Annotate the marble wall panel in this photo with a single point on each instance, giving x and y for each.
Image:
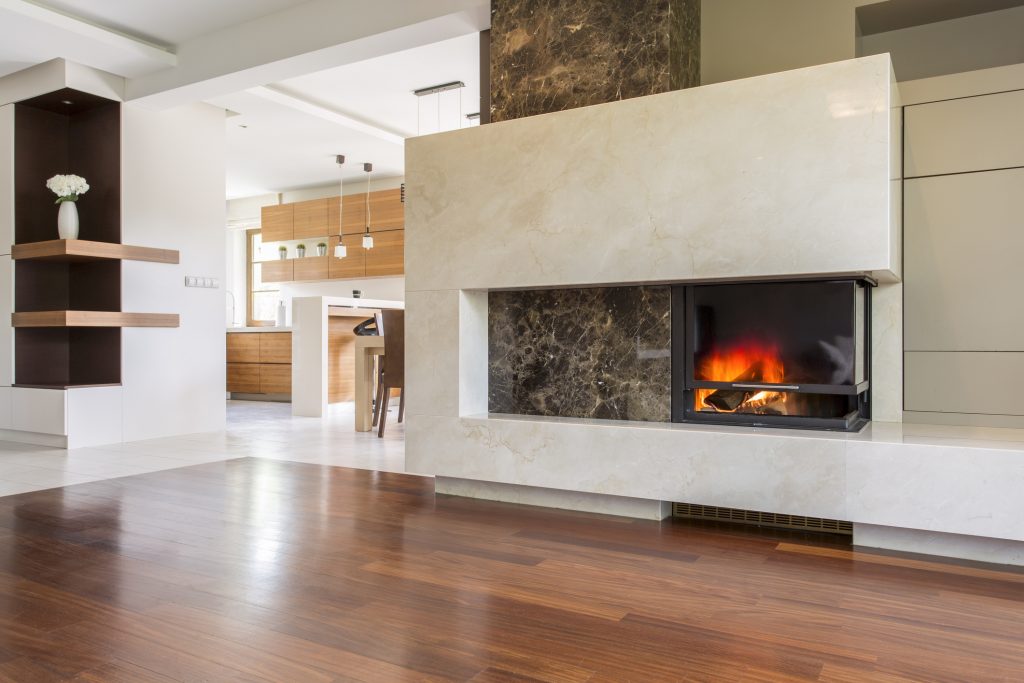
(552, 55)
(602, 352)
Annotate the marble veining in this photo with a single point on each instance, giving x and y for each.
(600, 352)
(552, 55)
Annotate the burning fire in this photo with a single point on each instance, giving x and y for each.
(751, 364)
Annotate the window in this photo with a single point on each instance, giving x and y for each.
(261, 308)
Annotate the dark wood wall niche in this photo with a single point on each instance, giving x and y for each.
(84, 138)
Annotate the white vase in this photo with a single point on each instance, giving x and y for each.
(67, 221)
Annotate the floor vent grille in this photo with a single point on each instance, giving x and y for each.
(773, 519)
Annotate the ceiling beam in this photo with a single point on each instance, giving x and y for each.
(316, 35)
(279, 96)
(102, 36)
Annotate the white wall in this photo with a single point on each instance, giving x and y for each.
(743, 38)
(173, 197)
(945, 47)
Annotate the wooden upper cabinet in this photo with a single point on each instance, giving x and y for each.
(277, 271)
(353, 213)
(311, 219)
(311, 268)
(277, 223)
(387, 212)
(388, 254)
(353, 265)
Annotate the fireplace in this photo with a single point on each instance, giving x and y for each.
(773, 354)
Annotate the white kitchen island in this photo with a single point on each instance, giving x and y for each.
(311, 361)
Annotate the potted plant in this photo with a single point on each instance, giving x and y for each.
(282, 252)
(300, 250)
(321, 249)
(68, 189)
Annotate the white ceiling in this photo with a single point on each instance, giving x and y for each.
(168, 22)
(273, 147)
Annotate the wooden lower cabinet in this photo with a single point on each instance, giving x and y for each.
(243, 348)
(259, 362)
(244, 378)
(275, 379)
(275, 347)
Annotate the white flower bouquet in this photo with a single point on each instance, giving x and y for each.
(68, 188)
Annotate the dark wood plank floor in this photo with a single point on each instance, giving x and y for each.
(256, 570)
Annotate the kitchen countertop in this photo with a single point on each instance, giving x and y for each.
(268, 328)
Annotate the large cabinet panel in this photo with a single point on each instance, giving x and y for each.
(277, 223)
(275, 379)
(388, 254)
(244, 378)
(387, 212)
(243, 348)
(966, 383)
(969, 134)
(353, 211)
(282, 270)
(963, 279)
(310, 219)
(354, 263)
(311, 268)
(275, 347)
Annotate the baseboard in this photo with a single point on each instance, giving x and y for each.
(978, 548)
(620, 506)
(34, 438)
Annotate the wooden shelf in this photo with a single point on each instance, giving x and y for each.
(92, 319)
(65, 386)
(76, 251)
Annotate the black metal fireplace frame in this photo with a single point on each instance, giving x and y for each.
(684, 383)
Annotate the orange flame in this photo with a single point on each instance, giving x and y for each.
(750, 363)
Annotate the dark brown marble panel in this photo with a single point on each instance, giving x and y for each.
(590, 353)
(552, 55)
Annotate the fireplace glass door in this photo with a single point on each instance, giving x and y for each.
(791, 354)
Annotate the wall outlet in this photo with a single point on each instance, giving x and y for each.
(204, 282)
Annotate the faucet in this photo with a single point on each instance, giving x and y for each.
(232, 295)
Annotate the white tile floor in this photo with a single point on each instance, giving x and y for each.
(262, 430)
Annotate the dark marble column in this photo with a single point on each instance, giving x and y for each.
(551, 55)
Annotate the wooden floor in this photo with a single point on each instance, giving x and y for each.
(258, 570)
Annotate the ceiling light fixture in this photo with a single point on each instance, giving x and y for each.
(340, 250)
(367, 237)
(437, 91)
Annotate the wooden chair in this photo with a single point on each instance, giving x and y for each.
(378, 393)
(392, 365)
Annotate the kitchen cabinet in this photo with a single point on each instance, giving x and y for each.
(277, 223)
(310, 219)
(259, 362)
(311, 268)
(354, 263)
(243, 348)
(388, 254)
(278, 271)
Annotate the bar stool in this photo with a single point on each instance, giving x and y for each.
(392, 374)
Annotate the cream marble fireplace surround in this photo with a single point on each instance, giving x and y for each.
(790, 174)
